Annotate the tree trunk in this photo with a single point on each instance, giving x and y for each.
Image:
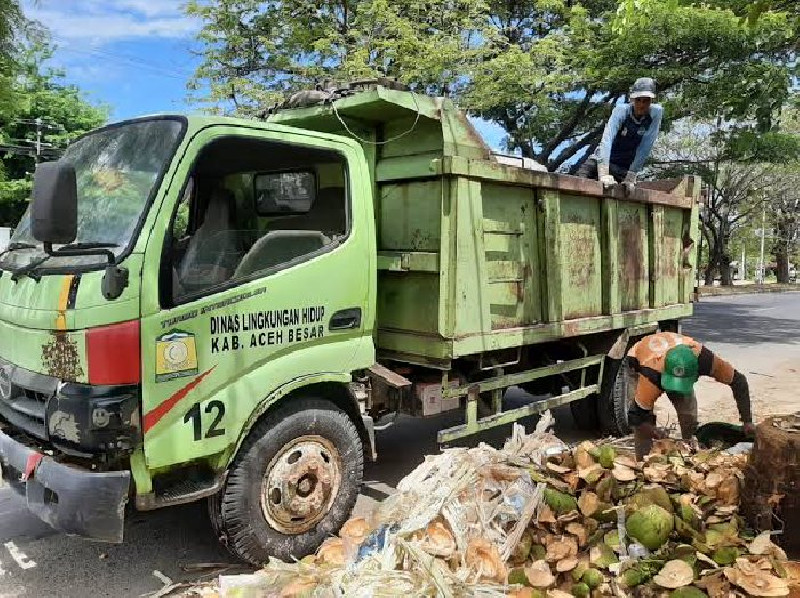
(769, 498)
(782, 259)
(708, 276)
(725, 270)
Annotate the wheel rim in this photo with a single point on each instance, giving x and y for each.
(300, 484)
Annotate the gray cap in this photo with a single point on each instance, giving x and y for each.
(645, 87)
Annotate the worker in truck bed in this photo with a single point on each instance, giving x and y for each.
(672, 363)
(627, 139)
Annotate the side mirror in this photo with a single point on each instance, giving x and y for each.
(54, 212)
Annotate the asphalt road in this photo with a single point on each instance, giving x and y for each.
(755, 331)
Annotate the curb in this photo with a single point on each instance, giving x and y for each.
(748, 290)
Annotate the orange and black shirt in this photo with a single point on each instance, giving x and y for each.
(647, 358)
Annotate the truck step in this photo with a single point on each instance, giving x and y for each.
(182, 492)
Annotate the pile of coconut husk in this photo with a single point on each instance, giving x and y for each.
(539, 519)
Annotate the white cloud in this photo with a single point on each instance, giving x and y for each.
(103, 21)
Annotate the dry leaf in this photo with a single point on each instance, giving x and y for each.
(483, 558)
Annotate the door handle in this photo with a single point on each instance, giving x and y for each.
(345, 319)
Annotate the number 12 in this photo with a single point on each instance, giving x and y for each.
(195, 417)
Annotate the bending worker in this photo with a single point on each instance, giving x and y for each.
(627, 139)
(672, 363)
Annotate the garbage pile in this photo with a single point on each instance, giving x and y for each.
(540, 519)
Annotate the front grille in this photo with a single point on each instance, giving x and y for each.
(23, 399)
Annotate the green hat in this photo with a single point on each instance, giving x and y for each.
(680, 370)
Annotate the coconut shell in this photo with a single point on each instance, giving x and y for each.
(675, 574)
(483, 558)
(559, 469)
(332, 552)
(580, 533)
(546, 515)
(567, 564)
(560, 549)
(759, 584)
(588, 503)
(582, 455)
(539, 575)
(439, 540)
(591, 474)
(355, 530)
(622, 473)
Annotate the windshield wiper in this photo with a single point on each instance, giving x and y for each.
(28, 269)
(14, 246)
(86, 246)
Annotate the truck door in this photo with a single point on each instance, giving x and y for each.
(260, 277)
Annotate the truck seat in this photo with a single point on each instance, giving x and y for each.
(327, 215)
(212, 252)
(279, 247)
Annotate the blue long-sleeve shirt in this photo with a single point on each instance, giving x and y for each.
(613, 126)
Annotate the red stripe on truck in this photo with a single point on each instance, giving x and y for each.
(153, 417)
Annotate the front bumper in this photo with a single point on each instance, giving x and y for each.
(71, 500)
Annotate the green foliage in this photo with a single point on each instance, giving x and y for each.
(39, 92)
(547, 71)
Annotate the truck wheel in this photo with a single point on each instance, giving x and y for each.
(613, 403)
(293, 484)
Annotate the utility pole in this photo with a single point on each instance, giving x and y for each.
(38, 139)
(763, 234)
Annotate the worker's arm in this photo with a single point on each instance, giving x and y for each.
(649, 138)
(724, 372)
(609, 133)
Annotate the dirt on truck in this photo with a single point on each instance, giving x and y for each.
(226, 309)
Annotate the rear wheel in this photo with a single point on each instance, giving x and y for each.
(613, 402)
(293, 484)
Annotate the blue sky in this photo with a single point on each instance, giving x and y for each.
(134, 55)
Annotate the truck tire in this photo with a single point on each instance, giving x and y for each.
(613, 402)
(293, 483)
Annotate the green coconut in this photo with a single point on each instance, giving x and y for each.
(651, 526)
(560, 502)
(538, 552)
(517, 577)
(581, 590)
(612, 539)
(593, 578)
(725, 555)
(605, 455)
(603, 555)
(577, 572)
(658, 496)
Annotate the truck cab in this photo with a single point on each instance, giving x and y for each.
(204, 270)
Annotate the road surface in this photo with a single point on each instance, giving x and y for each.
(760, 334)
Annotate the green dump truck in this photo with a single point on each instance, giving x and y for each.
(224, 309)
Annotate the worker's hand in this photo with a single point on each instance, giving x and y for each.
(630, 177)
(750, 430)
(608, 180)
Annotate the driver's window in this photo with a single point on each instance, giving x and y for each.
(252, 208)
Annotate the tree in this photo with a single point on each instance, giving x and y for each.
(547, 71)
(40, 93)
(735, 190)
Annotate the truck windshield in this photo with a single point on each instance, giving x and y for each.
(117, 169)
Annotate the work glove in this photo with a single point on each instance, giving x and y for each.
(608, 180)
(650, 431)
(630, 181)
